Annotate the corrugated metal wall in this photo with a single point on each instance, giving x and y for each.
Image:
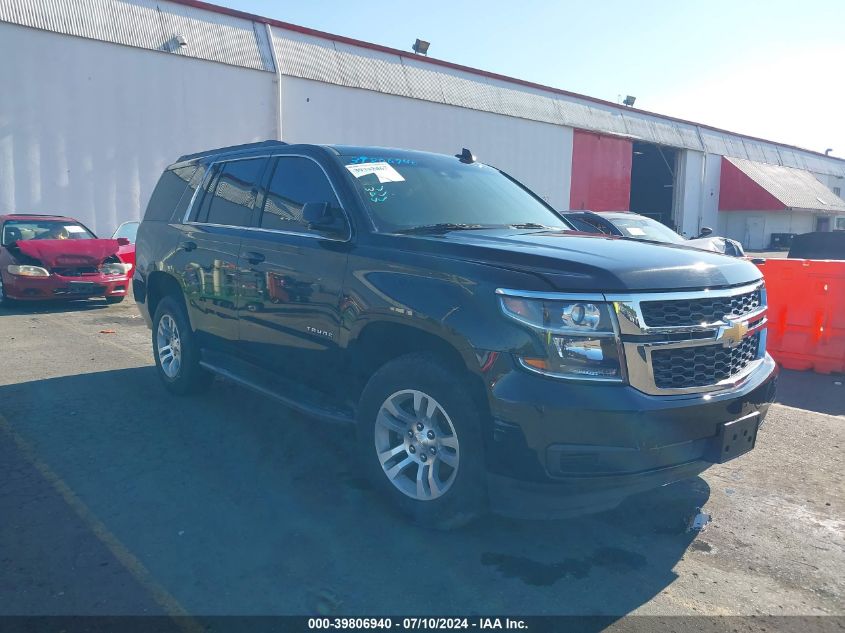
(90, 136)
(149, 24)
(215, 36)
(538, 154)
(319, 59)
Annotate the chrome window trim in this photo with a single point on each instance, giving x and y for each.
(207, 175)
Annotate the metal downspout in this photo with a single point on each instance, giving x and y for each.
(703, 182)
(278, 72)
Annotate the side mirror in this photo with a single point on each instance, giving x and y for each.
(123, 241)
(705, 231)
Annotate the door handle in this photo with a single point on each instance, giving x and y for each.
(254, 258)
(188, 246)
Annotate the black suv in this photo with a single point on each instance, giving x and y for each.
(488, 354)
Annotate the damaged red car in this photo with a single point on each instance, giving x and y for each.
(49, 257)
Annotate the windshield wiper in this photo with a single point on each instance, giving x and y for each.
(442, 227)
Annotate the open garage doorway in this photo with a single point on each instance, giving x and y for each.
(653, 182)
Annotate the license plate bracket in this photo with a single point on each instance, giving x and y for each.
(82, 287)
(738, 437)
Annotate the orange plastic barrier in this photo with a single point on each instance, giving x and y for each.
(806, 313)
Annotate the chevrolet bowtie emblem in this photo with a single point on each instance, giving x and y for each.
(732, 334)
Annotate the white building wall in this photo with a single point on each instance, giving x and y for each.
(86, 127)
(754, 228)
(538, 154)
(833, 183)
(688, 197)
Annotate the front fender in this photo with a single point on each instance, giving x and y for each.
(452, 299)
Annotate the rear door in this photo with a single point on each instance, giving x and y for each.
(292, 273)
(208, 247)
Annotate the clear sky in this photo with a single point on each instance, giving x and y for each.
(773, 69)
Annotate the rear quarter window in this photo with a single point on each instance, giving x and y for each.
(173, 193)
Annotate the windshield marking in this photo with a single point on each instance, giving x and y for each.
(382, 171)
(381, 159)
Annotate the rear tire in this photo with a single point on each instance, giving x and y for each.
(420, 441)
(175, 350)
(113, 300)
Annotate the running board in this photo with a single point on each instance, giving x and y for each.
(268, 384)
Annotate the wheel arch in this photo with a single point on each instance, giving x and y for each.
(380, 342)
(160, 285)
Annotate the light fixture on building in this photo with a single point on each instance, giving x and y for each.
(175, 43)
(828, 151)
(629, 100)
(420, 47)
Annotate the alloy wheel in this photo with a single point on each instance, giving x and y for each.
(416, 444)
(169, 346)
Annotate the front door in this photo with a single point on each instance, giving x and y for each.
(291, 274)
(823, 224)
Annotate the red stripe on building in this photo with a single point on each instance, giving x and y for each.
(738, 192)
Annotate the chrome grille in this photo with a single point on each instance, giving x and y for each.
(698, 311)
(692, 341)
(75, 271)
(704, 365)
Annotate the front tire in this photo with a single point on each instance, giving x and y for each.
(175, 349)
(420, 440)
(5, 301)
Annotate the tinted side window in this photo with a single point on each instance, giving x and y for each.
(195, 181)
(231, 193)
(294, 182)
(168, 193)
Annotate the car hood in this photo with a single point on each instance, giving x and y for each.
(579, 261)
(58, 253)
(715, 244)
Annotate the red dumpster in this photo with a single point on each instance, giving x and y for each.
(806, 313)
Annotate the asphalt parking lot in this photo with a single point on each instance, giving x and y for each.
(117, 498)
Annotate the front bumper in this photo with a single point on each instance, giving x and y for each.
(560, 448)
(57, 287)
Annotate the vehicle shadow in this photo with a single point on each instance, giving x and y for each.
(53, 307)
(812, 392)
(237, 506)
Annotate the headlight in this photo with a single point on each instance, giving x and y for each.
(578, 333)
(115, 268)
(25, 270)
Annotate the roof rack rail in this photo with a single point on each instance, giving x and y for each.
(230, 148)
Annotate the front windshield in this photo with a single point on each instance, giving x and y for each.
(129, 230)
(642, 228)
(23, 230)
(406, 193)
